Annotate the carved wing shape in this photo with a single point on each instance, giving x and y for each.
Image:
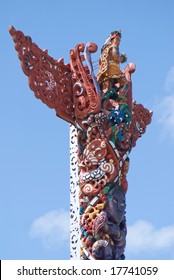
(49, 79)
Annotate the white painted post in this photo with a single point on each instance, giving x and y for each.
(74, 197)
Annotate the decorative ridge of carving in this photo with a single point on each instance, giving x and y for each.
(86, 100)
(49, 79)
(141, 117)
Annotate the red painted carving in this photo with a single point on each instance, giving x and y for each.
(140, 119)
(68, 88)
(108, 125)
(49, 79)
(86, 101)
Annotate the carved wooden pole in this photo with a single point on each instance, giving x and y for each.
(105, 125)
(74, 197)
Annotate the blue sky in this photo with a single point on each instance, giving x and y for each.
(34, 161)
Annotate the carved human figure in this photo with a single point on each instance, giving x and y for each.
(110, 226)
(109, 73)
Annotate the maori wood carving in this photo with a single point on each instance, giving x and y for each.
(108, 125)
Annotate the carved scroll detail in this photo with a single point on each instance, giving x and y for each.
(141, 117)
(86, 100)
(49, 79)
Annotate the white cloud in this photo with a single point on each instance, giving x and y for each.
(144, 237)
(52, 228)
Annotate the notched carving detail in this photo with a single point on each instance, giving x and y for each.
(49, 79)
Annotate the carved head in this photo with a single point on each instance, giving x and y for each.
(94, 152)
(115, 37)
(116, 33)
(116, 204)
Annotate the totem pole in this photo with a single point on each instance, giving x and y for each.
(105, 125)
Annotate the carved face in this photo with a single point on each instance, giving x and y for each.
(117, 205)
(116, 40)
(94, 152)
